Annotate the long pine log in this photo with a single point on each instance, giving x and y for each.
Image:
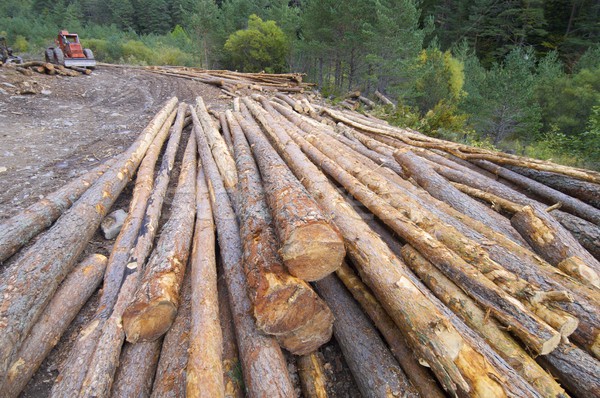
(204, 367)
(137, 366)
(362, 347)
(30, 282)
(22, 227)
(73, 293)
(284, 306)
(263, 364)
(312, 376)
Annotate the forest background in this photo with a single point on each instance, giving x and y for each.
(518, 75)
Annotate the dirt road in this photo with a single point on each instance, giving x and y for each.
(72, 123)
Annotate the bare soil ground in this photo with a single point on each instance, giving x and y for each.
(68, 127)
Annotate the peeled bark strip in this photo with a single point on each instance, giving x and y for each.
(232, 371)
(56, 318)
(420, 377)
(263, 364)
(438, 187)
(455, 357)
(29, 283)
(22, 227)
(204, 367)
(555, 245)
(585, 191)
(153, 310)
(171, 249)
(570, 204)
(362, 347)
(218, 147)
(74, 368)
(312, 376)
(575, 369)
(477, 319)
(137, 366)
(284, 306)
(170, 379)
(312, 247)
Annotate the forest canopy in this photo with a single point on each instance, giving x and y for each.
(522, 76)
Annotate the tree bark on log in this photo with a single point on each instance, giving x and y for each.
(22, 227)
(218, 147)
(170, 249)
(575, 369)
(385, 100)
(137, 366)
(56, 318)
(362, 347)
(30, 282)
(570, 204)
(459, 366)
(312, 376)
(555, 245)
(204, 367)
(493, 333)
(441, 189)
(226, 132)
(284, 306)
(585, 232)
(232, 371)
(153, 309)
(311, 246)
(420, 377)
(173, 364)
(263, 364)
(586, 191)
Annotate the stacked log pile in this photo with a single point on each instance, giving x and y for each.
(48, 68)
(438, 269)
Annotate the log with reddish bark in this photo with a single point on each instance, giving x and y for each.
(456, 357)
(153, 310)
(494, 334)
(74, 368)
(232, 372)
(137, 366)
(56, 318)
(556, 245)
(171, 250)
(419, 375)
(312, 376)
(204, 367)
(569, 204)
(218, 147)
(585, 191)
(30, 282)
(311, 246)
(284, 306)
(22, 227)
(173, 365)
(263, 365)
(362, 347)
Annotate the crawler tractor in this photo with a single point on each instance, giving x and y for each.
(68, 52)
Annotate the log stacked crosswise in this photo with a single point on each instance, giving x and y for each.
(437, 269)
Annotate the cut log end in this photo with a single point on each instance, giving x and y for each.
(313, 251)
(550, 345)
(148, 322)
(283, 305)
(309, 337)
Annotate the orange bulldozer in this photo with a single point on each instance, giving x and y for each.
(69, 52)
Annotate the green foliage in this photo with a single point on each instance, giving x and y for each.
(263, 46)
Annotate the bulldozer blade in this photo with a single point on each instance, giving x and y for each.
(81, 62)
